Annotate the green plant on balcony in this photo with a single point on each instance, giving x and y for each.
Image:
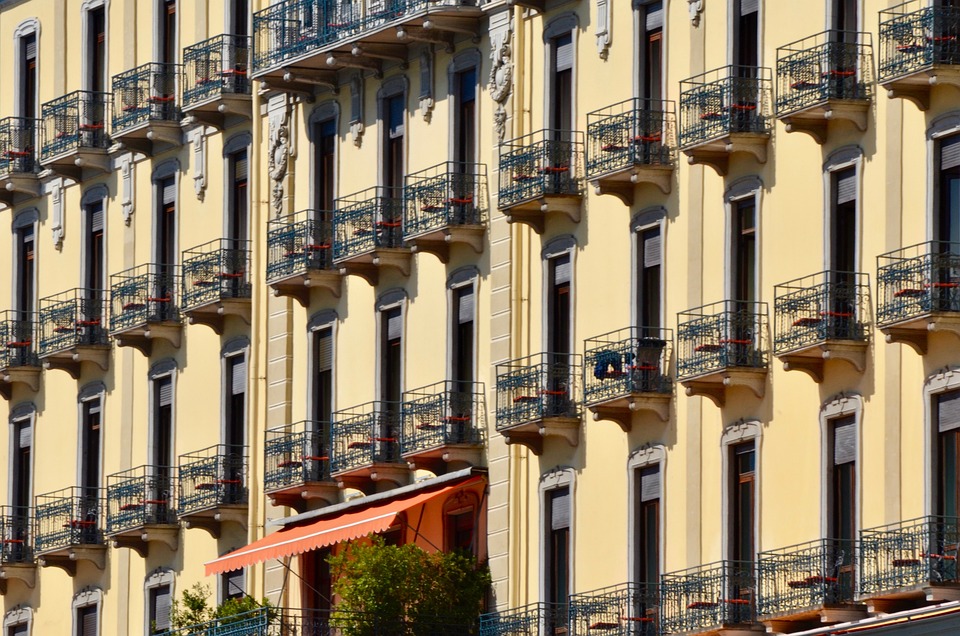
(405, 585)
(194, 609)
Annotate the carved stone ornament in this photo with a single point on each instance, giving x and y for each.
(128, 202)
(501, 78)
(696, 7)
(356, 110)
(55, 188)
(426, 83)
(199, 162)
(603, 28)
(279, 136)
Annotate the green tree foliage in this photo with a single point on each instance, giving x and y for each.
(405, 590)
(194, 609)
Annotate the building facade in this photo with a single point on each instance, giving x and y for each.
(650, 305)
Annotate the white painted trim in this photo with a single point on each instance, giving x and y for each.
(943, 380)
(24, 411)
(655, 455)
(547, 255)
(19, 615)
(740, 190)
(153, 376)
(313, 330)
(733, 434)
(85, 598)
(556, 478)
(839, 406)
(453, 317)
(841, 159)
(637, 227)
(30, 26)
(157, 578)
(85, 60)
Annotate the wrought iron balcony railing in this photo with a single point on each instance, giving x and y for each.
(824, 306)
(918, 280)
(536, 387)
(625, 362)
(299, 242)
(725, 334)
(724, 101)
(833, 65)
(18, 339)
(367, 221)
(141, 496)
(142, 295)
(71, 319)
(631, 609)
(214, 271)
(18, 146)
(69, 517)
(442, 414)
(16, 535)
(635, 132)
(212, 477)
(806, 577)
(252, 623)
(544, 163)
(448, 194)
(536, 619)
(366, 434)
(291, 28)
(214, 67)
(297, 454)
(708, 597)
(909, 555)
(145, 93)
(915, 36)
(75, 122)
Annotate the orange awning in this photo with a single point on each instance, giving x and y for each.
(298, 539)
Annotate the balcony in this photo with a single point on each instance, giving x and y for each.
(140, 508)
(18, 159)
(631, 143)
(301, 44)
(213, 488)
(822, 317)
(627, 371)
(724, 111)
(808, 585)
(368, 234)
(75, 134)
(216, 283)
(910, 562)
(72, 331)
(300, 255)
(541, 174)
(537, 397)
(723, 345)
(255, 622)
(826, 77)
(143, 307)
(297, 465)
(216, 83)
(146, 115)
(919, 50)
(17, 561)
(366, 446)
(446, 205)
(631, 609)
(19, 363)
(443, 425)
(69, 528)
(919, 289)
(709, 599)
(536, 619)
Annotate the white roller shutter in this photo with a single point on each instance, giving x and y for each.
(844, 441)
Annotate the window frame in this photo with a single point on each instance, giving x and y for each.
(18, 415)
(237, 347)
(556, 479)
(740, 432)
(564, 24)
(95, 391)
(28, 218)
(733, 36)
(160, 371)
(321, 115)
(464, 277)
(640, 41)
(392, 299)
(462, 62)
(156, 579)
(86, 33)
(639, 459)
(19, 615)
(393, 87)
(166, 170)
(838, 161)
(941, 128)
(222, 581)
(88, 597)
(643, 221)
(561, 246)
(98, 194)
(839, 407)
(941, 381)
(321, 321)
(461, 503)
(232, 147)
(27, 28)
(742, 190)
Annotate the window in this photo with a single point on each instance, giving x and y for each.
(316, 584)
(322, 406)
(460, 531)
(94, 265)
(87, 622)
(947, 408)
(843, 220)
(558, 545)
(27, 103)
(235, 388)
(159, 601)
(647, 524)
(651, 52)
(462, 353)
(842, 478)
(845, 17)
(23, 629)
(744, 261)
(559, 323)
(237, 228)
(561, 85)
(743, 496)
(165, 245)
(96, 79)
(162, 455)
(393, 169)
(465, 141)
(325, 147)
(25, 271)
(17, 622)
(239, 9)
(391, 354)
(746, 35)
(22, 447)
(167, 31)
(649, 249)
(90, 435)
(232, 585)
(947, 227)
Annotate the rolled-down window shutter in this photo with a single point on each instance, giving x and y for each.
(561, 269)
(240, 166)
(324, 350)
(654, 16)
(560, 509)
(165, 392)
(465, 310)
(846, 186)
(394, 323)
(844, 441)
(948, 411)
(168, 191)
(650, 483)
(651, 249)
(563, 46)
(395, 107)
(234, 583)
(93, 406)
(748, 6)
(20, 630)
(162, 603)
(96, 217)
(30, 48)
(26, 435)
(88, 621)
(239, 376)
(950, 152)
